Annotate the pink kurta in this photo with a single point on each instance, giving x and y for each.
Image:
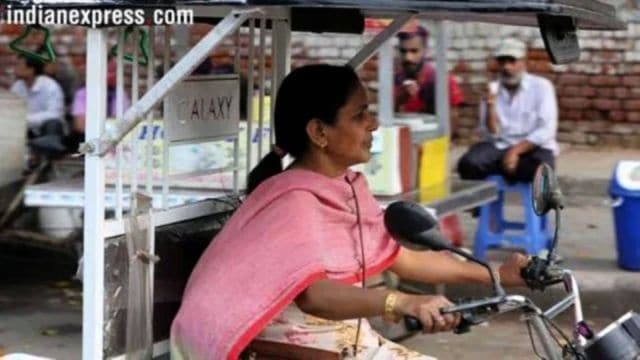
(294, 229)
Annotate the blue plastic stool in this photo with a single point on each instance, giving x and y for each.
(532, 235)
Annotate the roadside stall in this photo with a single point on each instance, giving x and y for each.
(149, 215)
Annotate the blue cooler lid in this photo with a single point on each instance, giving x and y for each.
(625, 181)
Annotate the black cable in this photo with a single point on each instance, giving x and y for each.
(570, 345)
(362, 263)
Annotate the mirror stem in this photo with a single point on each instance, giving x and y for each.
(554, 241)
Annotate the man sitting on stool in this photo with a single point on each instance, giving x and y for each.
(520, 119)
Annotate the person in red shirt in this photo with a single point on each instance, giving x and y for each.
(415, 80)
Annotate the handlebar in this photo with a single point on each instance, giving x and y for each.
(538, 275)
(473, 312)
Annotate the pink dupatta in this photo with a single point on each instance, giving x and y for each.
(295, 228)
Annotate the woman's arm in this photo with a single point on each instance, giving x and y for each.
(333, 300)
(443, 268)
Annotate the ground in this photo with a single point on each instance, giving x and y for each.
(40, 309)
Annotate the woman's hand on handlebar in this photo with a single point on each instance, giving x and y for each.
(511, 269)
(427, 309)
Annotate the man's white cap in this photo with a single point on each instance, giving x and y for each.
(511, 47)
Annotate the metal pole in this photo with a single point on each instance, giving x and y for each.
(119, 113)
(165, 142)
(372, 46)
(385, 84)
(442, 78)
(545, 338)
(94, 190)
(263, 31)
(135, 77)
(252, 27)
(274, 81)
(281, 60)
(151, 114)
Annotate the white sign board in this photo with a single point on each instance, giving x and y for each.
(203, 108)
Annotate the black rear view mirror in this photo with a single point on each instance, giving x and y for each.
(560, 37)
(546, 192)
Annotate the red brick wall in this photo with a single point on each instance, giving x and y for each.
(598, 96)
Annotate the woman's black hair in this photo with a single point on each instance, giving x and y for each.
(309, 92)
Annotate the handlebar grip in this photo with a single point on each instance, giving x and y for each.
(412, 323)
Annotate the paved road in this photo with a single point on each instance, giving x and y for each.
(41, 316)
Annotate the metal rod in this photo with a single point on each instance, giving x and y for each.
(151, 114)
(385, 84)
(252, 26)
(183, 68)
(236, 156)
(442, 78)
(281, 60)
(263, 31)
(94, 188)
(274, 82)
(237, 54)
(547, 342)
(560, 307)
(135, 87)
(119, 113)
(165, 142)
(372, 47)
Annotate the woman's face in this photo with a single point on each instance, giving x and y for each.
(349, 139)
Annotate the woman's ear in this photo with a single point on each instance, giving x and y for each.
(316, 130)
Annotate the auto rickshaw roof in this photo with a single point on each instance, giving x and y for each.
(587, 14)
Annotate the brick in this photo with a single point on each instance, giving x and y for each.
(571, 115)
(539, 66)
(574, 137)
(575, 103)
(582, 91)
(631, 141)
(621, 129)
(610, 139)
(586, 68)
(617, 116)
(591, 44)
(594, 126)
(632, 105)
(604, 80)
(605, 92)
(475, 54)
(592, 139)
(607, 56)
(537, 54)
(593, 115)
(633, 116)
(572, 79)
(565, 125)
(616, 44)
(631, 80)
(621, 93)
